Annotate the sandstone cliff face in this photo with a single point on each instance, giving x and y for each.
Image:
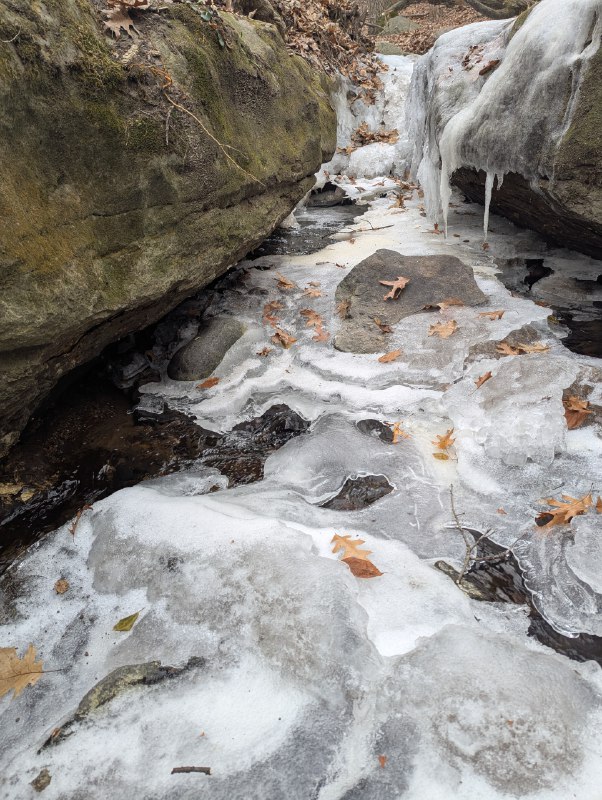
(114, 203)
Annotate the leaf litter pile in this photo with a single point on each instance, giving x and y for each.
(432, 20)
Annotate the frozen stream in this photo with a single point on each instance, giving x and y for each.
(293, 678)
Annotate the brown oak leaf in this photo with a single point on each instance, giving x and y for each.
(397, 286)
(576, 411)
(392, 356)
(443, 329)
(492, 314)
(283, 338)
(482, 379)
(561, 512)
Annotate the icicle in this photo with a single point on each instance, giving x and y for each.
(488, 190)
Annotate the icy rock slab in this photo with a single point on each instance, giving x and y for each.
(432, 279)
(464, 88)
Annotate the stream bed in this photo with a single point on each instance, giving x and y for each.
(257, 655)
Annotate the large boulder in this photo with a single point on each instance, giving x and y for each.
(134, 172)
(520, 99)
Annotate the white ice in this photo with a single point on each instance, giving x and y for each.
(509, 119)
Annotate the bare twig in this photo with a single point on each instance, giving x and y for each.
(221, 146)
(169, 110)
(78, 516)
(203, 770)
(9, 41)
(471, 547)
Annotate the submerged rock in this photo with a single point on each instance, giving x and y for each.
(199, 358)
(117, 204)
(433, 279)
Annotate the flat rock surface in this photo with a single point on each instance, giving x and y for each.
(432, 280)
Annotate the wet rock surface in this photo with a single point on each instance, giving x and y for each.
(199, 358)
(433, 279)
(359, 493)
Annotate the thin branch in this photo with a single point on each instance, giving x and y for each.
(203, 770)
(8, 41)
(212, 137)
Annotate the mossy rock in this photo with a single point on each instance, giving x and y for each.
(116, 204)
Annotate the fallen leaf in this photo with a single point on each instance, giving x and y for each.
(443, 329)
(61, 586)
(441, 456)
(501, 511)
(284, 283)
(382, 760)
(536, 347)
(448, 302)
(397, 286)
(492, 314)
(343, 309)
(599, 505)
(491, 65)
(312, 318)
(208, 384)
(507, 350)
(399, 433)
(485, 245)
(576, 411)
(392, 356)
(283, 338)
(312, 291)
(444, 442)
(118, 19)
(17, 673)
(268, 313)
(351, 548)
(320, 335)
(362, 567)
(482, 379)
(264, 352)
(563, 511)
(384, 328)
(127, 623)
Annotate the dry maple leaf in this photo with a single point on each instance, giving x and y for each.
(351, 549)
(482, 379)
(443, 329)
(384, 328)
(444, 442)
(343, 309)
(284, 283)
(492, 314)
(283, 338)
(397, 286)
(576, 411)
(362, 567)
(563, 511)
(388, 357)
(264, 352)
(208, 384)
(17, 673)
(399, 433)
